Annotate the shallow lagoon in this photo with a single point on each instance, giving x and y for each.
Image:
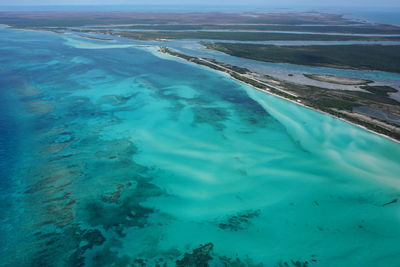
(282, 71)
(129, 157)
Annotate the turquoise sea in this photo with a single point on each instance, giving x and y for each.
(114, 155)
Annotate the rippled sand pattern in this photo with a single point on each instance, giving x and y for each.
(129, 159)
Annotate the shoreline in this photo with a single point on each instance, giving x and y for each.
(159, 50)
(284, 98)
(96, 38)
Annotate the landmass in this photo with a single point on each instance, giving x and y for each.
(238, 36)
(337, 79)
(348, 29)
(96, 38)
(364, 57)
(246, 26)
(31, 19)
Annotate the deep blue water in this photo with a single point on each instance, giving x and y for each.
(383, 15)
(10, 141)
(9, 131)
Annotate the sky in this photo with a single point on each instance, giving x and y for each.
(317, 3)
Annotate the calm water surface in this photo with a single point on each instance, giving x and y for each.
(282, 71)
(125, 157)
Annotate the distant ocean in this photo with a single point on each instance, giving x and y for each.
(376, 15)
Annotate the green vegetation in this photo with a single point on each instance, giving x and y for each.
(362, 29)
(95, 38)
(379, 90)
(249, 81)
(368, 57)
(231, 67)
(337, 79)
(190, 58)
(335, 101)
(246, 36)
(31, 19)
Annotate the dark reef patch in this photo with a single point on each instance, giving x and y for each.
(237, 262)
(129, 212)
(240, 221)
(390, 202)
(212, 116)
(199, 257)
(116, 100)
(114, 197)
(63, 138)
(252, 113)
(66, 248)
